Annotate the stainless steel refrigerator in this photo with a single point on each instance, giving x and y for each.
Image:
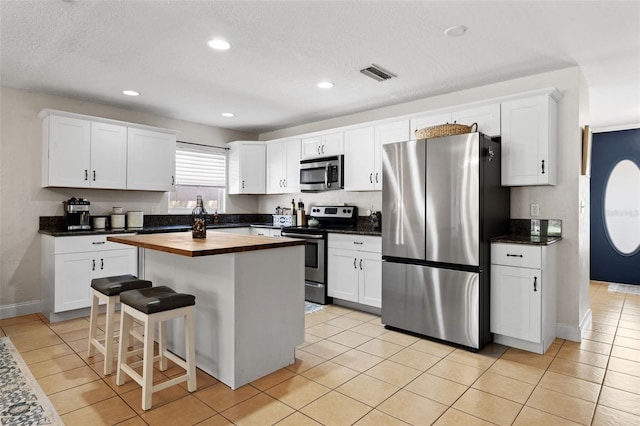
(441, 203)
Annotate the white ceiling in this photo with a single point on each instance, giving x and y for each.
(92, 50)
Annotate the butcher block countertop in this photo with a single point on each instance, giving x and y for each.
(216, 243)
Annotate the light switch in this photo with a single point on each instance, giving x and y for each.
(535, 210)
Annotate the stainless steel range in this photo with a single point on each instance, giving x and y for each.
(328, 217)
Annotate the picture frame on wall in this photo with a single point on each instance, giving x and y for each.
(586, 151)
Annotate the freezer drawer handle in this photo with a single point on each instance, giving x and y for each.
(535, 283)
(514, 255)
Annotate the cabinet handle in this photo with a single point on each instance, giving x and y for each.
(542, 166)
(514, 255)
(101, 263)
(323, 148)
(359, 243)
(93, 264)
(173, 180)
(284, 183)
(318, 149)
(371, 177)
(377, 177)
(97, 243)
(361, 264)
(535, 283)
(86, 174)
(243, 184)
(94, 175)
(280, 183)
(354, 263)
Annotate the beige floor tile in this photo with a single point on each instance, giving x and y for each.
(73, 335)
(67, 379)
(376, 321)
(297, 391)
(584, 357)
(338, 310)
(369, 329)
(628, 332)
(107, 412)
(344, 322)
(488, 407)
(562, 405)
(605, 416)
(579, 388)
(591, 346)
(398, 338)
(504, 387)
(362, 316)
(56, 365)
(380, 348)
(19, 320)
(598, 337)
(203, 380)
(460, 373)
(357, 360)
(394, 373)
(184, 411)
(323, 330)
(309, 339)
(326, 349)
(602, 328)
(134, 397)
(620, 400)
(221, 397)
(336, 409)
(412, 408)
(494, 350)
(622, 381)
(32, 329)
(436, 388)
(273, 379)
(330, 374)
(2, 333)
(304, 361)
(81, 396)
(553, 349)
(44, 354)
(625, 353)
(453, 417)
(133, 421)
(378, 418)
(471, 359)
(297, 419)
(517, 371)
(633, 325)
(415, 359)
(433, 348)
(627, 342)
(576, 369)
(531, 417)
(28, 342)
(624, 366)
(368, 390)
(528, 358)
(601, 319)
(70, 325)
(350, 338)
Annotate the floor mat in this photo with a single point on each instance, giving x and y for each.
(624, 288)
(310, 308)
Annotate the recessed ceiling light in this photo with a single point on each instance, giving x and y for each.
(455, 31)
(218, 44)
(228, 114)
(325, 85)
(131, 93)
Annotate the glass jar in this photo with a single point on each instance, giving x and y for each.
(199, 219)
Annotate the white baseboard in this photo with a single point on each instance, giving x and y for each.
(19, 309)
(568, 332)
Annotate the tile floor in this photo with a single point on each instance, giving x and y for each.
(351, 370)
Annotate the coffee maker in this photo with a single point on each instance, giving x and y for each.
(76, 214)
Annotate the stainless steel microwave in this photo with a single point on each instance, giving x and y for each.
(322, 174)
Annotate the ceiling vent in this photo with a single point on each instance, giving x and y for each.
(377, 73)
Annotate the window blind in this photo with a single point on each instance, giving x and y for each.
(200, 165)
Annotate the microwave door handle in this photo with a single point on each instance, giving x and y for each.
(326, 176)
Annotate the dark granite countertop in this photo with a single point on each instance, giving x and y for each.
(538, 232)
(145, 230)
(357, 231)
(536, 240)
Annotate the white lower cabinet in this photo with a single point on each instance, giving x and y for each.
(523, 295)
(266, 232)
(69, 265)
(354, 268)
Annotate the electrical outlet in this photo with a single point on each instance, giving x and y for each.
(535, 210)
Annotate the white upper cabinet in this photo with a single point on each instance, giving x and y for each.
(326, 145)
(66, 152)
(247, 167)
(487, 117)
(151, 161)
(283, 166)
(529, 140)
(108, 156)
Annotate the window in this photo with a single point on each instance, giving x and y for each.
(200, 170)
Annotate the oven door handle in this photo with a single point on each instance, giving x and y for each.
(304, 236)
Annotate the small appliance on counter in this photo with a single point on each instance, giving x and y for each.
(135, 220)
(76, 214)
(117, 218)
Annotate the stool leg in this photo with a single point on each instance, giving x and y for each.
(108, 335)
(125, 330)
(93, 324)
(190, 350)
(147, 363)
(162, 344)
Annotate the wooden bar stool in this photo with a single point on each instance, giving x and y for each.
(151, 306)
(108, 290)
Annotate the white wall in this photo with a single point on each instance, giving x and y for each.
(556, 202)
(22, 200)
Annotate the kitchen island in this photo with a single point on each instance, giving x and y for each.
(249, 298)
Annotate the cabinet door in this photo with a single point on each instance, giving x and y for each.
(69, 150)
(528, 142)
(73, 273)
(342, 271)
(428, 121)
(516, 302)
(332, 144)
(384, 134)
(252, 169)
(311, 147)
(108, 156)
(370, 279)
(487, 117)
(116, 262)
(151, 160)
(292, 166)
(359, 159)
(276, 168)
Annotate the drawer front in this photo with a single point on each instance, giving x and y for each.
(520, 255)
(355, 242)
(86, 243)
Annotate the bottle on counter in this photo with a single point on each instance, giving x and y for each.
(293, 206)
(199, 219)
(301, 216)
